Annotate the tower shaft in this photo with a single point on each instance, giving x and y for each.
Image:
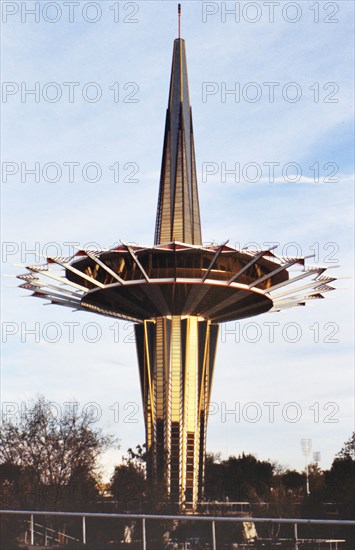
(176, 359)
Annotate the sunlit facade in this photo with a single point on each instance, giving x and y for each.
(176, 358)
(177, 292)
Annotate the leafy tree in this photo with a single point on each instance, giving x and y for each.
(214, 477)
(128, 483)
(131, 489)
(340, 479)
(293, 480)
(137, 458)
(238, 478)
(348, 449)
(247, 478)
(340, 484)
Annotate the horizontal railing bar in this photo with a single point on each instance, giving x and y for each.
(43, 527)
(300, 521)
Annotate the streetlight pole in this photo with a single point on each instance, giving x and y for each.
(306, 445)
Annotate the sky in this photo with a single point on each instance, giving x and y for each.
(272, 103)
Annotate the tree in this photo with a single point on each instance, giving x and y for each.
(214, 482)
(247, 478)
(293, 480)
(54, 449)
(128, 483)
(340, 479)
(340, 484)
(348, 449)
(237, 478)
(133, 491)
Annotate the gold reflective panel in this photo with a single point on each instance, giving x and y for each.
(176, 368)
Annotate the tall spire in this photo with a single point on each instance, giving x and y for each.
(178, 212)
(179, 21)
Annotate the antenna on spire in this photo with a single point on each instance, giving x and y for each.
(179, 19)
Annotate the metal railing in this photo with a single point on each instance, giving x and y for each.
(47, 534)
(212, 519)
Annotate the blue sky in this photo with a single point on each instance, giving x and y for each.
(305, 377)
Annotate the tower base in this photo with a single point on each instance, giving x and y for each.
(176, 360)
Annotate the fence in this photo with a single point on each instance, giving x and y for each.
(211, 519)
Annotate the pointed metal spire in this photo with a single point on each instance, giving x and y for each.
(178, 212)
(179, 21)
